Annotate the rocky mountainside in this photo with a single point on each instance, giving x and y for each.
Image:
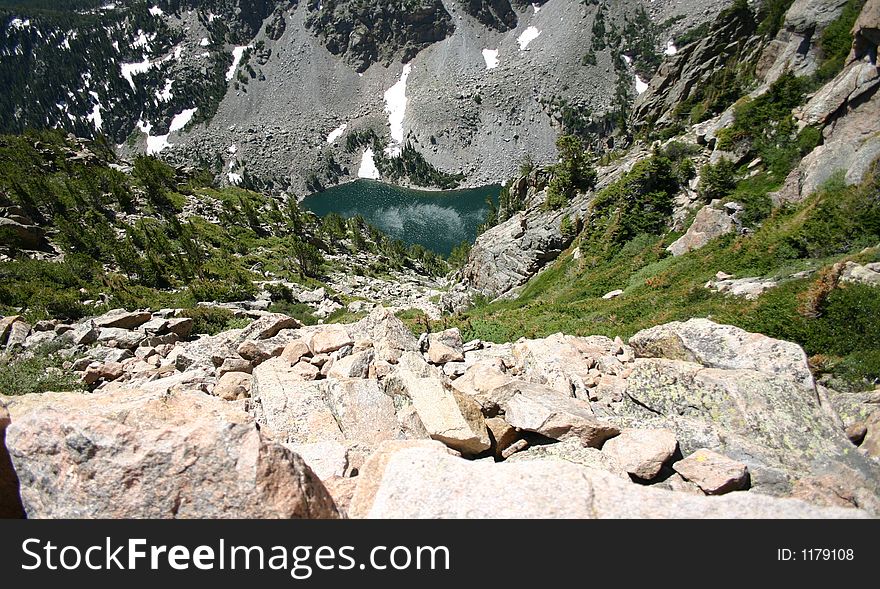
(677, 317)
(695, 105)
(290, 96)
(365, 420)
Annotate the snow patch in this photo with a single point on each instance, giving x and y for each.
(17, 23)
(368, 167)
(527, 36)
(132, 69)
(234, 178)
(641, 86)
(95, 116)
(181, 119)
(237, 53)
(156, 11)
(671, 49)
(491, 57)
(537, 8)
(627, 59)
(165, 94)
(337, 133)
(395, 106)
(232, 149)
(204, 42)
(157, 143)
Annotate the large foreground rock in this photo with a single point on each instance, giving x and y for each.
(447, 415)
(420, 483)
(769, 423)
(135, 454)
(362, 410)
(10, 502)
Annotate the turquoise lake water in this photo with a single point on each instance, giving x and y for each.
(438, 220)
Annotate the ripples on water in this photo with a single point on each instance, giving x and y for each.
(437, 220)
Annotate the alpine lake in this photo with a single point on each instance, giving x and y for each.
(438, 220)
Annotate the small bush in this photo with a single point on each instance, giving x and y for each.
(213, 320)
(299, 311)
(571, 174)
(717, 181)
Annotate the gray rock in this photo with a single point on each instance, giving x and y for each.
(233, 386)
(542, 410)
(330, 339)
(268, 326)
(748, 288)
(447, 415)
(869, 274)
(574, 452)
(21, 236)
(39, 338)
(724, 346)
(356, 365)
(362, 410)
(767, 422)
(84, 334)
(181, 327)
(445, 346)
(326, 459)
(642, 452)
(713, 473)
(6, 326)
(294, 410)
(235, 365)
(390, 337)
(122, 319)
(18, 334)
(120, 338)
(710, 223)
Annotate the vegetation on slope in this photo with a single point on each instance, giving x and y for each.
(159, 237)
(836, 224)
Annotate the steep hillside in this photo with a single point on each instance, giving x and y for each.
(290, 96)
(754, 203)
(80, 232)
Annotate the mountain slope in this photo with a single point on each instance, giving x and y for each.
(253, 89)
(763, 216)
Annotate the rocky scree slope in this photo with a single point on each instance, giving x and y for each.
(281, 420)
(288, 96)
